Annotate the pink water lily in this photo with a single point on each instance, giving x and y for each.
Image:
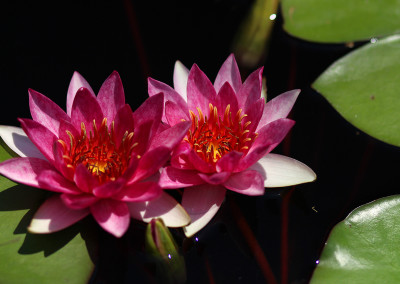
(99, 157)
(230, 139)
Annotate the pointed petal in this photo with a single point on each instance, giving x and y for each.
(229, 72)
(180, 157)
(123, 122)
(216, 178)
(201, 203)
(53, 216)
(254, 113)
(112, 216)
(80, 201)
(18, 141)
(251, 89)
(247, 182)
(45, 111)
(111, 96)
(164, 207)
(76, 83)
(25, 170)
(199, 163)
(60, 164)
(139, 192)
(156, 87)
(40, 136)
(200, 91)
(281, 171)
(181, 74)
(176, 178)
(53, 181)
(269, 137)
(86, 109)
(226, 96)
(150, 111)
(279, 107)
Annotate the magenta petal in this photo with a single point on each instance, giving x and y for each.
(254, 113)
(150, 111)
(40, 136)
(86, 109)
(109, 188)
(268, 138)
(62, 131)
(201, 203)
(246, 182)
(53, 216)
(156, 87)
(199, 164)
(123, 123)
(45, 111)
(112, 215)
(160, 150)
(80, 201)
(229, 162)
(139, 192)
(111, 96)
(226, 96)
(85, 180)
(174, 114)
(53, 181)
(181, 74)
(176, 178)
(216, 178)
(18, 141)
(59, 163)
(279, 107)
(229, 72)
(180, 157)
(76, 83)
(251, 89)
(25, 170)
(200, 91)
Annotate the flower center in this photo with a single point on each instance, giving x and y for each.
(216, 136)
(99, 152)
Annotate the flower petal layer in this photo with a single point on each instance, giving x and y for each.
(201, 203)
(283, 171)
(111, 96)
(53, 216)
(229, 72)
(164, 207)
(77, 82)
(200, 91)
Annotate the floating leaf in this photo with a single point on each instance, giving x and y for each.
(364, 87)
(61, 257)
(337, 21)
(364, 248)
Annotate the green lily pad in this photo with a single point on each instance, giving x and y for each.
(364, 248)
(337, 21)
(364, 87)
(61, 257)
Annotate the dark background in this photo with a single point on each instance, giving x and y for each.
(42, 45)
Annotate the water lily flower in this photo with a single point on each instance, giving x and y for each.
(230, 139)
(98, 156)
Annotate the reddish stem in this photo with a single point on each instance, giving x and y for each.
(253, 244)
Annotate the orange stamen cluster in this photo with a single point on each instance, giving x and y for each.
(98, 151)
(217, 135)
